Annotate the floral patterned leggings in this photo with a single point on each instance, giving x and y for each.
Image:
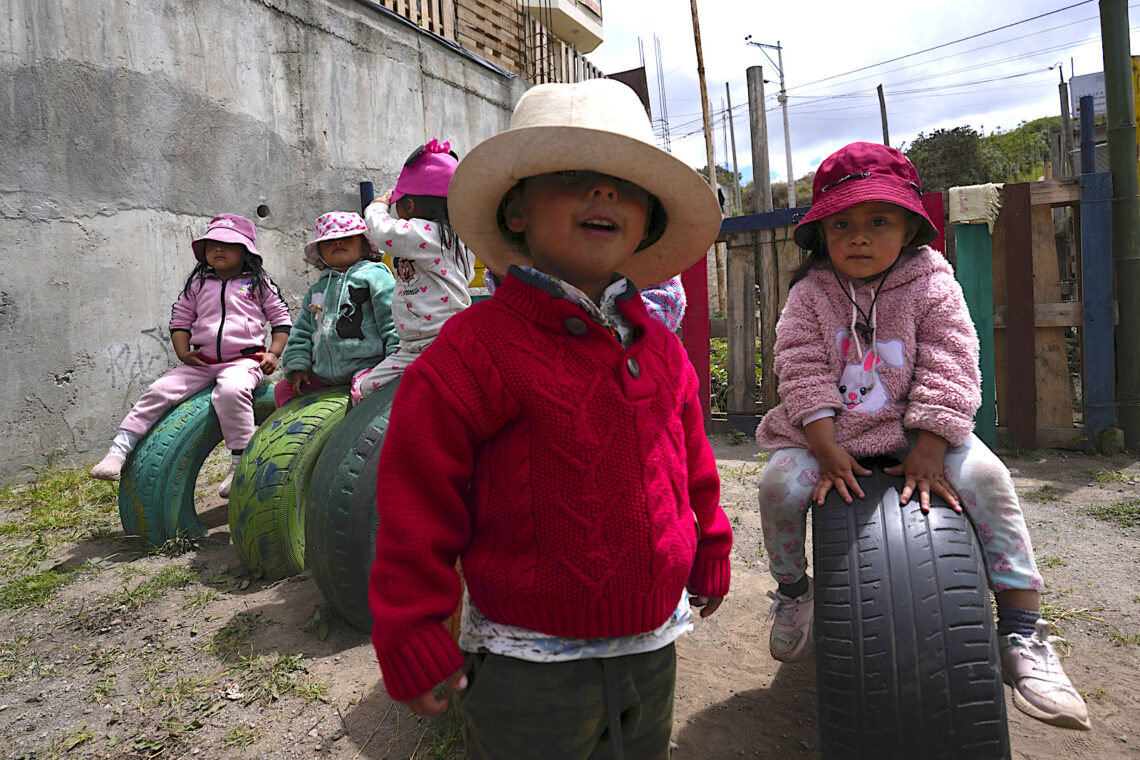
(984, 488)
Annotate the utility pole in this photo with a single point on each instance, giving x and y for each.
(1119, 100)
(1066, 124)
(758, 120)
(883, 116)
(783, 100)
(718, 255)
(735, 167)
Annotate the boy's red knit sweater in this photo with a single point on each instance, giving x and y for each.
(572, 476)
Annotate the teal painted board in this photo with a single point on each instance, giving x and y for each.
(975, 274)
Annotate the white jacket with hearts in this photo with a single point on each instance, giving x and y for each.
(432, 269)
(919, 372)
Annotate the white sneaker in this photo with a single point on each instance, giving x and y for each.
(224, 487)
(110, 466)
(792, 632)
(1040, 687)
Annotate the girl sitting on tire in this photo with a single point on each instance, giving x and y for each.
(551, 439)
(432, 266)
(876, 354)
(345, 326)
(217, 326)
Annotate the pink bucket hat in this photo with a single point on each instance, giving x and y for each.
(427, 171)
(862, 172)
(227, 228)
(333, 225)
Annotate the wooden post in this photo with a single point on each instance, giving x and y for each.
(1099, 370)
(1021, 394)
(769, 269)
(741, 315)
(975, 273)
(695, 330)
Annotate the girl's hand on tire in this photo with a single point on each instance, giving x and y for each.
(429, 703)
(925, 471)
(299, 377)
(837, 469)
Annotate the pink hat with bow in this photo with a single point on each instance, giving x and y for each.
(427, 171)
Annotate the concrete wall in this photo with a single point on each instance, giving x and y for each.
(126, 125)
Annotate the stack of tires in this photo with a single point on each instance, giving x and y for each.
(303, 495)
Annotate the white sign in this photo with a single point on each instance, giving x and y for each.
(1088, 84)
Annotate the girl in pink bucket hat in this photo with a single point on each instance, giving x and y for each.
(432, 266)
(217, 326)
(345, 325)
(877, 355)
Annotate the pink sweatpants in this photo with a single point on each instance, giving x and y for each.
(232, 398)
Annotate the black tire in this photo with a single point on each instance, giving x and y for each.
(341, 521)
(906, 649)
(156, 490)
(269, 494)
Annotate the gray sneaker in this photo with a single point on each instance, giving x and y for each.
(1040, 687)
(109, 467)
(224, 487)
(792, 632)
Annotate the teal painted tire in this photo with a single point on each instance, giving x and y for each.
(341, 521)
(268, 497)
(156, 490)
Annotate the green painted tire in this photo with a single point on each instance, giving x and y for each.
(341, 521)
(268, 495)
(156, 490)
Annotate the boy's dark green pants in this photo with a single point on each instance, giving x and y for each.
(600, 709)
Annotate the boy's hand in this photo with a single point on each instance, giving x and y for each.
(837, 468)
(924, 471)
(428, 703)
(708, 604)
(191, 357)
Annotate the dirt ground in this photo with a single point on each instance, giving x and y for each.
(228, 666)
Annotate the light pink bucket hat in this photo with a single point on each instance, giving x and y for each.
(227, 228)
(333, 225)
(427, 171)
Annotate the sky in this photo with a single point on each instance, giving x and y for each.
(835, 53)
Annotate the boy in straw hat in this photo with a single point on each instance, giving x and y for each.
(551, 439)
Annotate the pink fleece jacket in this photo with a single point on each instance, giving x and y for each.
(920, 372)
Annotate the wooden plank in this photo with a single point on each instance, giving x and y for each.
(1062, 314)
(769, 282)
(1055, 192)
(1072, 438)
(695, 330)
(1097, 339)
(975, 273)
(1021, 368)
(778, 218)
(741, 312)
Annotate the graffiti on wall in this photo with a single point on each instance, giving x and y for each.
(147, 357)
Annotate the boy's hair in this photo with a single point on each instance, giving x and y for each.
(658, 219)
(369, 254)
(818, 257)
(250, 264)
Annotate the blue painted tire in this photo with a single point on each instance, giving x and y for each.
(156, 489)
(268, 497)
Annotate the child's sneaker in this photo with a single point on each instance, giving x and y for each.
(110, 466)
(1040, 687)
(791, 633)
(224, 488)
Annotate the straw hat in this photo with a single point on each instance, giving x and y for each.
(598, 125)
